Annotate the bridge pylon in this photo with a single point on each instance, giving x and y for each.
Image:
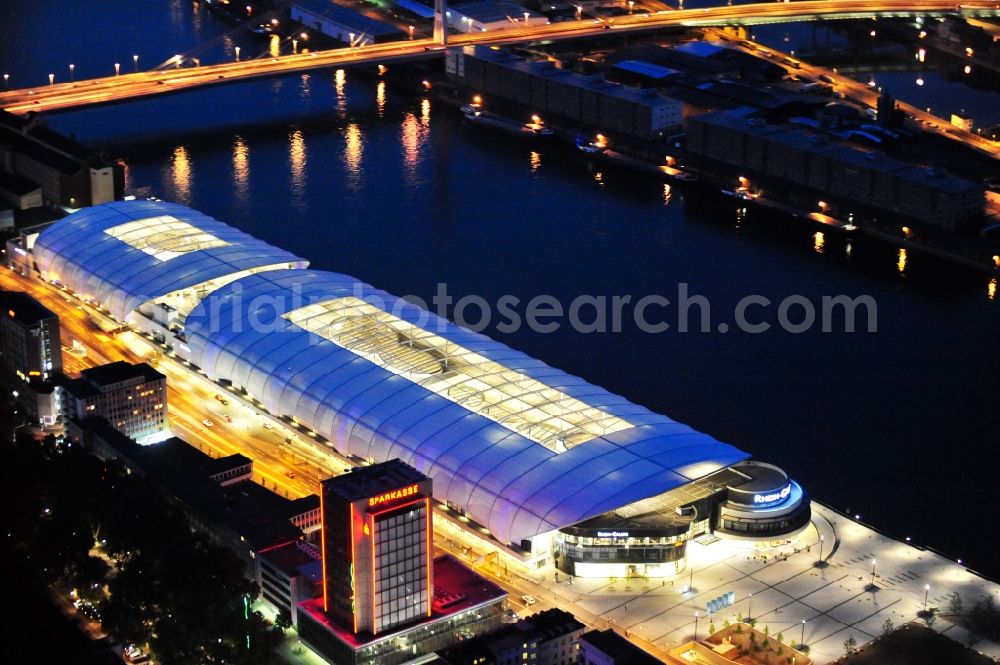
(441, 22)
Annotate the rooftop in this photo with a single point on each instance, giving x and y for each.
(347, 18)
(450, 577)
(660, 511)
(295, 559)
(544, 626)
(118, 371)
(17, 185)
(742, 121)
(29, 136)
(647, 69)
(252, 512)
(22, 307)
(493, 11)
(367, 481)
(624, 652)
(548, 69)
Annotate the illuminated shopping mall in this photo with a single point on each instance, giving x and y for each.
(556, 469)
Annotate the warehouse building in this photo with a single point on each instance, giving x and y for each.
(740, 139)
(492, 15)
(546, 89)
(66, 172)
(344, 24)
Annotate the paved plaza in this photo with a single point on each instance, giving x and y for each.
(834, 600)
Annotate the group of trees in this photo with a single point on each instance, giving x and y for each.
(90, 525)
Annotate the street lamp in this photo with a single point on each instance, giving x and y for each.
(802, 637)
(579, 12)
(118, 68)
(295, 46)
(526, 18)
(871, 586)
(72, 72)
(927, 590)
(696, 626)
(749, 607)
(135, 62)
(680, 510)
(52, 79)
(631, 4)
(6, 81)
(821, 539)
(178, 59)
(411, 32)
(237, 54)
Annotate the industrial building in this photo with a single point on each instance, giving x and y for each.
(544, 88)
(523, 451)
(344, 24)
(492, 15)
(835, 172)
(66, 172)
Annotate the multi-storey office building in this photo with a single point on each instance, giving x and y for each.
(547, 638)
(30, 350)
(132, 398)
(377, 547)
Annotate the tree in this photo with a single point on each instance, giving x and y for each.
(887, 626)
(781, 637)
(930, 618)
(711, 628)
(283, 619)
(850, 646)
(726, 624)
(955, 605)
(767, 631)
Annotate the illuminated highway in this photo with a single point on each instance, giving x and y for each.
(61, 96)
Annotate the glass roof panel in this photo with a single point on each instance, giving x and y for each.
(164, 237)
(520, 403)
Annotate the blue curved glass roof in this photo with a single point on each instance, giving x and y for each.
(125, 253)
(523, 447)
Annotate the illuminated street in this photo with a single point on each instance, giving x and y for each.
(586, 333)
(786, 585)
